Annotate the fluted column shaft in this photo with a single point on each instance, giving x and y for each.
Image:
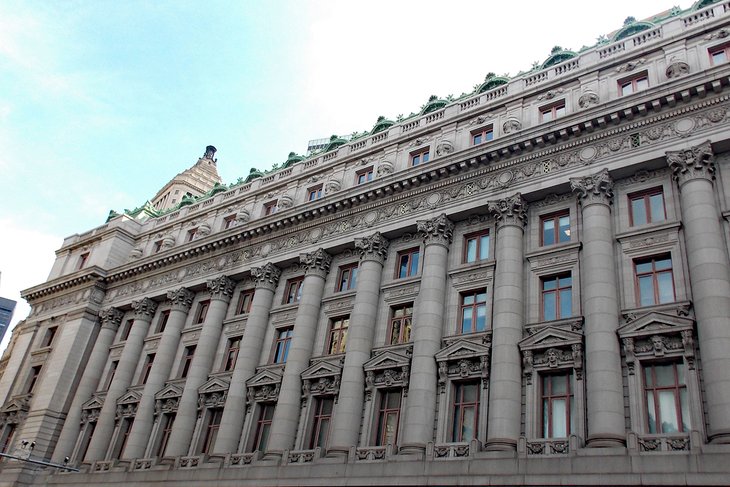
(110, 320)
(181, 301)
(286, 414)
(346, 423)
(229, 433)
(709, 275)
(221, 290)
(505, 385)
(604, 389)
(144, 310)
(428, 320)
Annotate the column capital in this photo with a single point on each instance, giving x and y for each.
(221, 288)
(318, 262)
(181, 299)
(696, 162)
(374, 247)
(596, 188)
(439, 230)
(111, 317)
(144, 309)
(511, 210)
(266, 276)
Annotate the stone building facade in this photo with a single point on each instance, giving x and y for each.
(526, 285)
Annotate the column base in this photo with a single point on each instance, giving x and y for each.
(273, 455)
(719, 437)
(605, 440)
(412, 449)
(338, 452)
(501, 444)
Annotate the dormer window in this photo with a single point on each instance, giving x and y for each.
(364, 175)
(314, 193)
(83, 260)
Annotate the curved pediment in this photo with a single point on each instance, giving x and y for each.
(387, 360)
(550, 337)
(655, 323)
(461, 349)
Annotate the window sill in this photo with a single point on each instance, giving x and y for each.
(647, 228)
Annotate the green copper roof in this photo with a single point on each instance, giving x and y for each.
(491, 82)
(255, 173)
(434, 103)
(557, 56)
(382, 124)
(335, 142)
(293, 157)
(630, 29)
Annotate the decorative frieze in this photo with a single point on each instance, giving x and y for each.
(439, 230)
(509, 211)
(181, 299)
(374, 247)
(144, 309)
(692, 163)
(596, 188)
(266, 276)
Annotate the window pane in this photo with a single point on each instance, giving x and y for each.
(560, 384)
(484, 247)
(643, 267)
(662, 264)
(353, 278)
(650, 412)
(685, 409)
(638, 211)
(467, 427)
(546, 418)
(668, 412)
(548, 306)
(477, 139)
(489, 135)
(656, 203)
(466, 320)
(564, 233)
(626, 89)
(470, 392)
(547, 115)
(642, 83)
(548, 232)
(565, 303)
(718, 57)
(391, 426)
(559, 111)
(323, 431)
(425, 157)
(403, 266)
(549, 284)
(646, 291)
(471, 250)
(664, 375)
(666, 287)
(559, 419)
(414, 264)
(481, 317)
(648, 378)
(468, 299)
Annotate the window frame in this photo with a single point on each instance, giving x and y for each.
(126, 329)
(478, 238)
(83, 260)
(676, 388)
(210, 432)
(315, 192)
(202, 312)
(724, 48)
(297, 283)
(187, 359)
(270, 207)
(381, 416)
(263, 424)
(474, 307)
(111, 372)
(157, 246)
(553, 109)
(364, 176)
(633, 82)
(420, 156)
(283, 335)
(229, 221)
(645, 195)
(347, 277)
(190, 236)
(165, 432)
(337, 336)
(144, 375)
(546, 430)
(245, 300)
(233, 348)
(555, 218)
(409, 253)
(318, 419)
(32, 380)
(485, 133)
(162, 321)
(655, 282)
(49, 337)
(458, 407)
(557, 292)
(406, 319)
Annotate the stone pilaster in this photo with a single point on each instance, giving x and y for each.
(229, 434)
(346, 423)
(286, 415)
(505, 384)
(427, 331)
(110, 319)
(144, 310)
(709, 273)
(221, 291)
(604, 390)
(180, 301)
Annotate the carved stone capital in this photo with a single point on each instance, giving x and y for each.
(111, 318)
(696, 162)
(266, 276)
(509, 211)
(144, 309)
(317, 263)
(439, 230)
(596, 188)
(374, 247)
(181, 299)
(221, 288)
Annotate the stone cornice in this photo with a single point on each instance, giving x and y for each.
(91, 275)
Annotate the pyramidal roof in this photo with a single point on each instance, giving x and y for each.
(195, 181)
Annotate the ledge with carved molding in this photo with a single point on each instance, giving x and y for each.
(529, 447)
(552, 347)
(453, 450)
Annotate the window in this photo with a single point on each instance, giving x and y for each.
(191, 234)
(187, 359)
(88, 435)
(157, 246)
(146, 368)
(35, 372)
(555, 228)
(169, 420)
(211, 430)
(719, 54)
(667, 406)
(647, 207)
(270, 208)
(321, 421)
(263, 427)
(476, 246)
(293, 291)
(400, 324)
(83, 260)
(654, 280)
(557, 297)
(8, 438)
(388, 418)
(281, 344)
(202, 311)
(338, 335)
(234, 345)
(466, 411)
(49, 336)
(162, 321)
(126, 328)
(551, 112)
(229, 221)
(558, 406)
(245, 298)
(482, 135)
(407, 263)
(364, 175)
(110, 375)
(314, 193)
(124, 429)
(474, 311)
(633, 84)
(420, 156)
(347, 278)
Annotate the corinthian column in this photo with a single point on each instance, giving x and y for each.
(346, 424)
(599, 292)
(221, 290)
(428, 323)
(286, 414)
(709, 275)
(144, 310)
(229, 434)
(110, 319)
(505, 384)
(181, 300)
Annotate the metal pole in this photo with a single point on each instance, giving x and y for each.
(40, 462)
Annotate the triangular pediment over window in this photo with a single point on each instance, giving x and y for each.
(462, 349)
(655, 323)
(95, 402)
(321, 369)
(387, 360)
(265, 377)
(130, 397)
(550, 337)
(168, 392)
(214, 384)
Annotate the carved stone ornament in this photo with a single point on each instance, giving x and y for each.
(587, 99)
(439, 230)
(549, 95)
(444, 148)
(136, 253)
(111, 317)
(243, 216)
(720, 34)
(596, 188)
(374, 247)
(511, 125)
(144, 308)
(384, 168)
(266, 276)
(332, 186)
(509, 211)
(692, 163)
(221, 288)
(286, 201)
(677, 69)
(181, 299)
(203, 230)
(630, 66)
(318, 262)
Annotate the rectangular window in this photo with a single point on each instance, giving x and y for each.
(124, 429)
(146, 368)
(162, 321)
(633, 84)
(8, 438)
(245, 298)
(420, 156)
(466, 411)
(555, 228)
(719, 54)
(110, 375)
(557, 297)
(553, 111)
(35, 373)
(234, 345)
(169, 420)
(126, 329)
(281, 344)
(647, 207)
(49, 336)
(263, 427)
(270, 208)
(88, 435)
(337, 339)
(314, 193)
(400, 324)
(211, 430)
(157, 246)
(83, 260)
(476, 246)
(654, 280)
(347, 278)
(321, 421)
(474, 311)
(558, 406)
(293, 291)
(482, 135)
(187, 359)
(667, 405)
(229, 221)
(364, 175)
(386, 432)
(191, 234)
(407, 263)
(202, 311)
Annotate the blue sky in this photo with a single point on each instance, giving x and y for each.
(102, 102)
